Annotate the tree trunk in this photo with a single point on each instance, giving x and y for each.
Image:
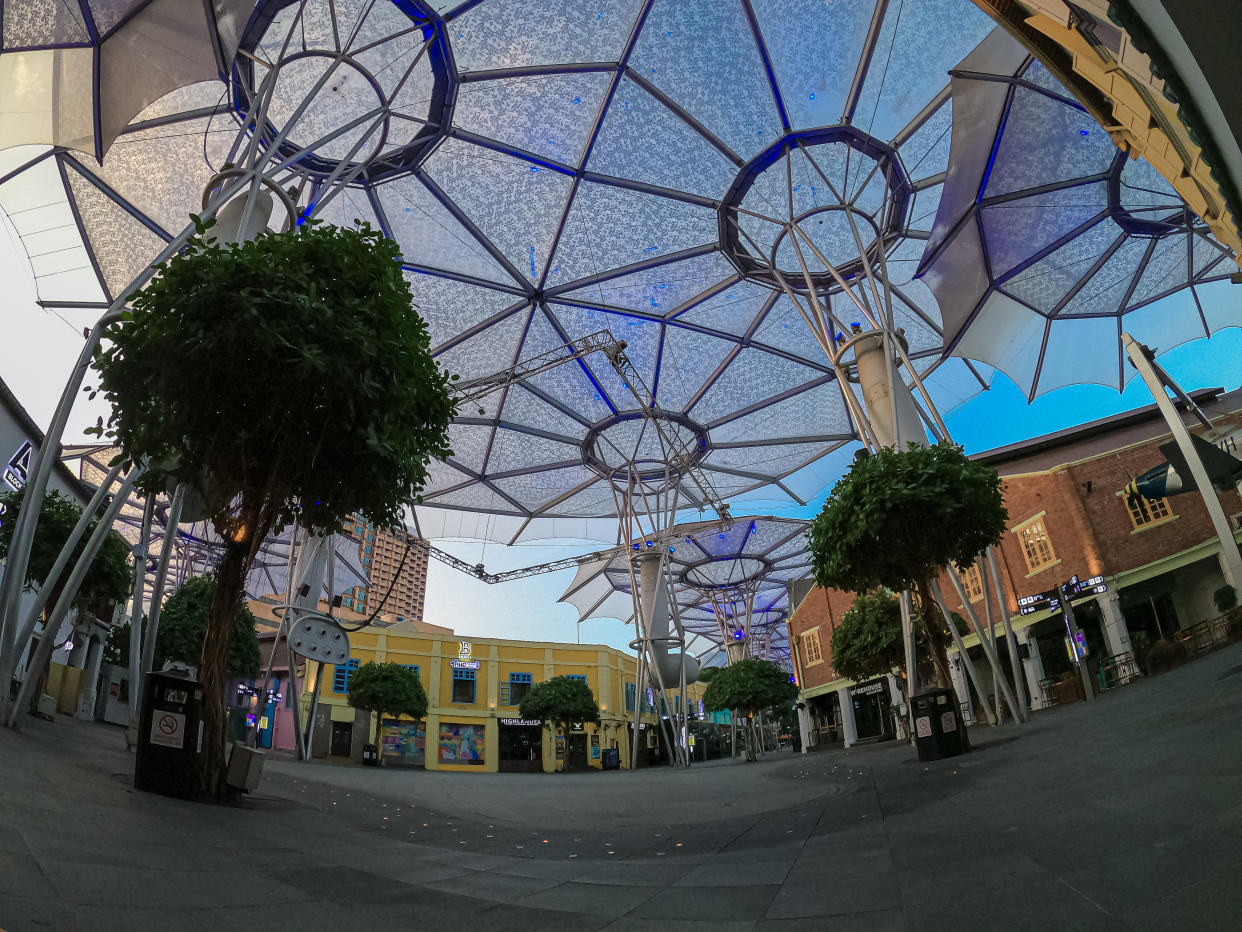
(749, 733)
(929, 616)
(213, 668)
(379, 743)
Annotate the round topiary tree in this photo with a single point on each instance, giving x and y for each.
(387, 689)
(288, 375)
(898, 517)
(749, 687)
(868, 641)
(559, 702)
(183, 629)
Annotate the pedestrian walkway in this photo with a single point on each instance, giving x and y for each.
(1125, 813)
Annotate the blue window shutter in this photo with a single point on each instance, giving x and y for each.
(503, 698)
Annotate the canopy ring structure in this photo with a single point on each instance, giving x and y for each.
(414, 90)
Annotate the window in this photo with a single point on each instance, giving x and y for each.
(576, 676)
(630, 692)
(340, 679)
(1036, 546)
(412, 666)
(463, 686)
(1145, 511)
(972, 582)
(811, 654)
(519, 685)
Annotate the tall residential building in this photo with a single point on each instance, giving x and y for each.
(385, 558)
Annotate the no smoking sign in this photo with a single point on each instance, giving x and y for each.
(168, 729)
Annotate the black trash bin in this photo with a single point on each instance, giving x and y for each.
(938, 727)
(370, 755)
(170, 736)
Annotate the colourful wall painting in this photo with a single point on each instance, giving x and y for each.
(462, 744)
(404, 742)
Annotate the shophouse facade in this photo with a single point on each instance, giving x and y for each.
(474, 688)
(1068, 516)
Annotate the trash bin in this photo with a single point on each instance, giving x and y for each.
(370, 755)
(170, 736)
(938, 727)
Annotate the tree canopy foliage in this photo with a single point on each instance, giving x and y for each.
(108, 579)
(390, 689)
(897, 517)
(868, 641)
(749, 686)
(292, 367)
(560, 701)
(183, 628)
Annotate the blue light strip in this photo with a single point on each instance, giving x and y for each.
(1000, 133)
(767, 64)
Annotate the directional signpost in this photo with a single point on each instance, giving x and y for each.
(1062, 598)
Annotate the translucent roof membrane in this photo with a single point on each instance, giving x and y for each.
(554, 169)
(713, 570)
(1050, 241)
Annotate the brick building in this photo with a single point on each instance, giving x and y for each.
(392, 568)
(1068, 516)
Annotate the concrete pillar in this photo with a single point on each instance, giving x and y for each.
(1116, 632)
(957, 672)
(90, 676)
(1032, 667)
(804, 726)
(849, 731)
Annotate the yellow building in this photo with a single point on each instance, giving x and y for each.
(473, 690)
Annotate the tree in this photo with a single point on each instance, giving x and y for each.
(749, 687)
(116, 648)
(868, 641)
(284, 376)
(183, 628)
(105, 583)
(559, 702)
(108, 579)
(707, 674)
(387, 689)
(898, 517)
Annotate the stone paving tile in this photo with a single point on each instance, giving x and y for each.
(760, 870)
(627, 924)
(1211, 902)
(505, 888)
(633, 874)
(881, 920)
(708, 903)
(609, 900)
(803, 900)
(21, 875)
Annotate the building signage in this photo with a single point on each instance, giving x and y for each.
(872, 688)
(464, 664)
(522, 722)
(18, 466)
(464, 652)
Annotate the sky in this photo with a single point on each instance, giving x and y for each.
(39, 348)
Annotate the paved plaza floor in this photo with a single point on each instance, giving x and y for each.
(1125, 814)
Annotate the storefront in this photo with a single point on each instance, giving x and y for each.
(521, 745)
(872, 716)
(462, 744)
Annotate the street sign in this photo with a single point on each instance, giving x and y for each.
(1050, 600)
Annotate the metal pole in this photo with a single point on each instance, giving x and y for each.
(1014, 662)
(135, 611)
(68, 594)
(309, 731)
(907, 636)
(1230, 559)
(1071, 625)
(962, 652)
(997, 675)
(991, 634)
(161, 574)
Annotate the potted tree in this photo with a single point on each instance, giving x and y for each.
(386, 689)
(898, 517)
(286, 376)
(746, 688)
(559, 702)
